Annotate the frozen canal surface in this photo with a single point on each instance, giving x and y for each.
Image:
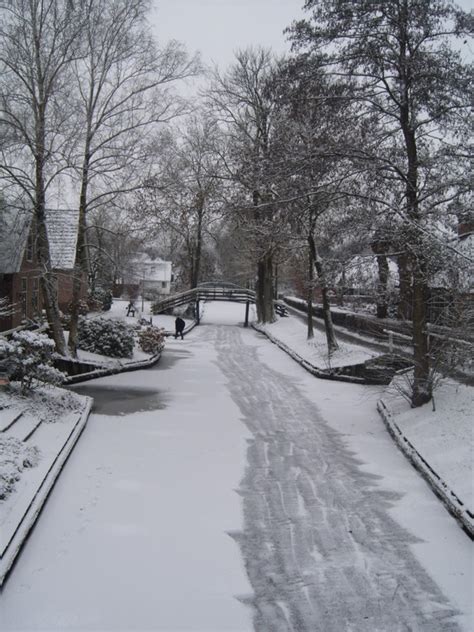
(217, 498)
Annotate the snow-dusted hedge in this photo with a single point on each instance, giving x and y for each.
(100, 300)
(151, 339)
(15, 456)
(106, 336)
(27, 357)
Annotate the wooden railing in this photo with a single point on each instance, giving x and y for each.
(236, 295)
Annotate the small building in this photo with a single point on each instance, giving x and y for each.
(20, 272)
(150, 276)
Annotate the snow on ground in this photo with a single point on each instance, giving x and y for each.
(47, 405)
(337, 526)
(442, 547)
(315, 350)
(15, 457)
(37, 432)
(134, 536)
(119, 310)
(444, 436)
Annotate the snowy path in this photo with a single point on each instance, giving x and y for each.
(136, 533)
(321, 549)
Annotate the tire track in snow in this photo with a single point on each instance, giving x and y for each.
(321, 550)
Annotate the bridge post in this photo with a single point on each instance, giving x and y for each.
(247, 306)
(197, 311)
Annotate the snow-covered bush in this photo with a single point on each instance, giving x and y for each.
(100, 300)
(28, 357)
(106, 336)
(15, 456)
(151, 339)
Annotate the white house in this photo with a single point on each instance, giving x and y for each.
(153, 276)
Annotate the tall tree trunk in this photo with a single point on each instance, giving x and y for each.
(380, 248)
(328, 324)
(264, 290)
(275, 283)
(49, 283)
(310, 287)
(80, 265)
(422, 385)
(382, 298)
(196, 269)
(48, 278)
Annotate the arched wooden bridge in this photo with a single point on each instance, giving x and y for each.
(212, 291)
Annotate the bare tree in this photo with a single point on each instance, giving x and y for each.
(39, 41)
(183, 198)
(244, 106)
(122, 84)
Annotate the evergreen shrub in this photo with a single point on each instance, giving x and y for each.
(106, 336)
(151, 339)
(27, 357)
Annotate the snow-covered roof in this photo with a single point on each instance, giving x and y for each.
(144, 267)
(62, 236)
(362, 271)
(15, 226)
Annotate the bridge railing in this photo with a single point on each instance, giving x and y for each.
(237, 295)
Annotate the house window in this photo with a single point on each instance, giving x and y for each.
(35, 297)
(164, 284)
(24, 295)
(35, 303)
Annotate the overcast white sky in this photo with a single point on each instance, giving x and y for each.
(217, 28)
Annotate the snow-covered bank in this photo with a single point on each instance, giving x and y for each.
(46, 424)
(292, 332)
(442, 436)
(438, 439)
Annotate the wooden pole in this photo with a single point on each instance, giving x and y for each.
(247, 306)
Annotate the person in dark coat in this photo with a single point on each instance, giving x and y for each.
(179, 325)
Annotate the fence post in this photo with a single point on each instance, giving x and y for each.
(247, 306)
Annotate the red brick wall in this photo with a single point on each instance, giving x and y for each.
(65, 279)
(23, 289)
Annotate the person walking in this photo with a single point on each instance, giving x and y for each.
(179, 325)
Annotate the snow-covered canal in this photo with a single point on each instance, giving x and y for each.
(227, 489)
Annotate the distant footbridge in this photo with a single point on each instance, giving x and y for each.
(211, 291)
